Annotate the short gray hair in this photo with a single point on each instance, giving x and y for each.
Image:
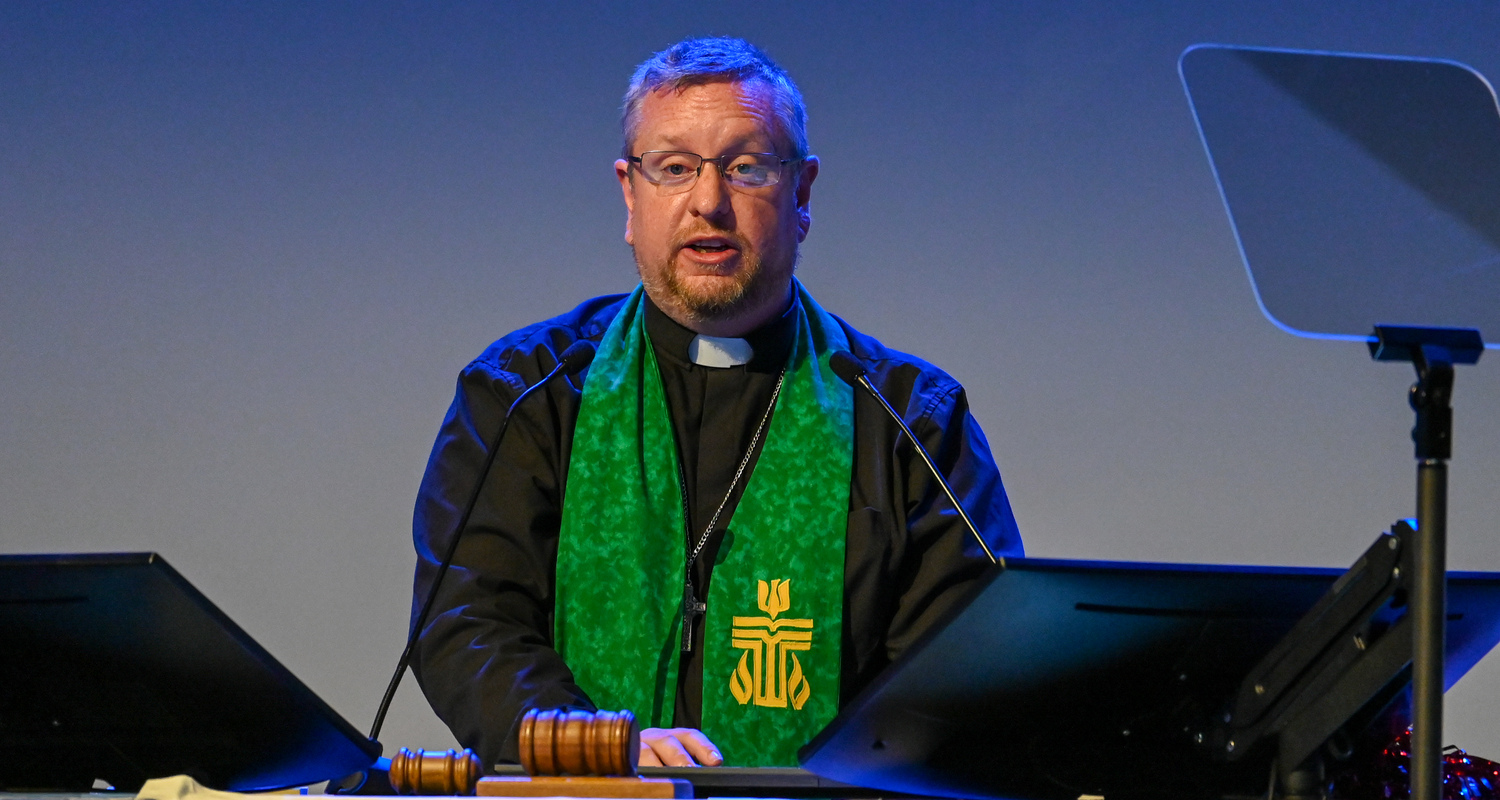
(693, 62)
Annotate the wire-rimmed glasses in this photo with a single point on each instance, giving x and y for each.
(673, 171)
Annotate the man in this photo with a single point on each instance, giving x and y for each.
(709, 528)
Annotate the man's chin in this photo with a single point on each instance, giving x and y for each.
(711, 307)
(710, 293)
(709, 297)
(703, 296)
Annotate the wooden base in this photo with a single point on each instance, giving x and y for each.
(545, 786)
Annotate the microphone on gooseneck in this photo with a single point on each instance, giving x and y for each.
(572, 360)
(848, 368)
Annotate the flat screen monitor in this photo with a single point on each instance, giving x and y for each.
(114, 668)
(1065, 678)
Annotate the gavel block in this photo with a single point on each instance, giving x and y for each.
(584, 786)
(581, 754)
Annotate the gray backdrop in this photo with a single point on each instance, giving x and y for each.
(245, 248)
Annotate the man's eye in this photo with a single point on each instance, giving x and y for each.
(749, 171)
(673, 166)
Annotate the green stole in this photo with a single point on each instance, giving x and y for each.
(775, 607)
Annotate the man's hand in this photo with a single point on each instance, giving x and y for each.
(678, 747)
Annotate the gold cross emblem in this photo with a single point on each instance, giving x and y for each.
(769, 643)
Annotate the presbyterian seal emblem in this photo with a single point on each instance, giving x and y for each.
(770, 642)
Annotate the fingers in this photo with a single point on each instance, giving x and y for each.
(677, 747)
(648, 756)
(661, 745)
(699, 747)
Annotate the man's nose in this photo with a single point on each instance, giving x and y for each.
(710, 198)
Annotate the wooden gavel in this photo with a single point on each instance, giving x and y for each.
(558, 742)
(552, 742)
(443, 772)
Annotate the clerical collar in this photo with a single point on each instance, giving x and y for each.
(718, 351)
(764, 349)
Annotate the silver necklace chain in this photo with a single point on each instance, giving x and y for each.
(691, 606)
(744, 462)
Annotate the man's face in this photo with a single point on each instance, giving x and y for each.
(715, 258)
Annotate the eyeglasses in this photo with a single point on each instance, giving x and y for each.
(673, 172)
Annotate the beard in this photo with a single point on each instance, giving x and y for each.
(747, 287)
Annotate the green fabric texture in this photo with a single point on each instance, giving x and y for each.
(775, 605)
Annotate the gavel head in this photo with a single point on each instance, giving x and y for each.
(434, 772)
(561, 742)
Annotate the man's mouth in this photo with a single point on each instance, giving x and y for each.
(710, 245)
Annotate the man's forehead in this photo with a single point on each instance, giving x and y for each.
(670, 111)
(746, 86)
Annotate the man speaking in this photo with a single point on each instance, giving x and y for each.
(707, 527)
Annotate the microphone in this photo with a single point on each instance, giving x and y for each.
(572, 361)
(848, 368)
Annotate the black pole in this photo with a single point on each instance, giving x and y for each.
(1428, 607)
(1434, 352)
(1427, 601)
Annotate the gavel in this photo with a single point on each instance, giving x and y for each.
(552, 742)
(558, 742)
(445, 772)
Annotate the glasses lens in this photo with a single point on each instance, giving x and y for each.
(670, 169)
(753, 170)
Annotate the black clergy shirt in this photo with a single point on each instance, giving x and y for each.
(715, 411)
(485, 655)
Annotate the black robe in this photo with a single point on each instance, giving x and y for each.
(485, 655)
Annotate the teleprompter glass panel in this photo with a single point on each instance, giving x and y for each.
(1362, 189)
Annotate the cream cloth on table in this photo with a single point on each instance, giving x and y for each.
(181, 787)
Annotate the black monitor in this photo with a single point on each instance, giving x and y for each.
(114, 668)
(1066, 678)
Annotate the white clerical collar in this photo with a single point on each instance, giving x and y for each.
(715, 351)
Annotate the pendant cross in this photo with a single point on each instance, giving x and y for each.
(692, 610)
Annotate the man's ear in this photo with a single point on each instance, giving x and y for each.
(627, 187)
(805, 178)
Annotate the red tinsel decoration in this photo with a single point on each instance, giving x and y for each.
(1386, 776)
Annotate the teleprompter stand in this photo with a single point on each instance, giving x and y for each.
(1433, 351)
(1349, 655)
(1361, 188)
